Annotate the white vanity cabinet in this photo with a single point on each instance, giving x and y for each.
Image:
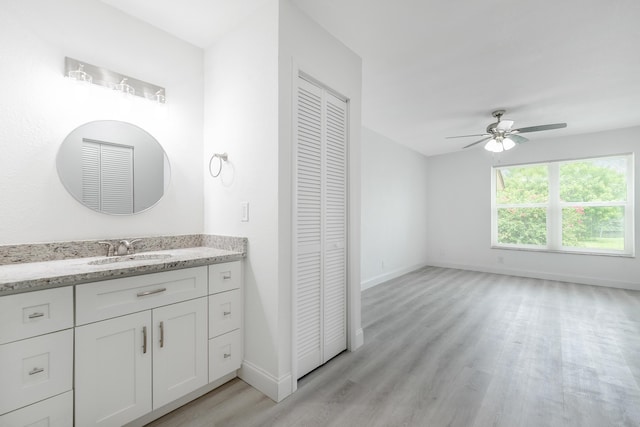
(225, 319)
(138, 347)
(141, 342)
(36, 358)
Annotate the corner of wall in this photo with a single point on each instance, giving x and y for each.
(276, 389)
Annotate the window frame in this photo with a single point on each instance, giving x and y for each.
(554, 207)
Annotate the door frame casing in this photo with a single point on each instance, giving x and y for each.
(354, 333)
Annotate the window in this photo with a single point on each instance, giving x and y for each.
(583, 206)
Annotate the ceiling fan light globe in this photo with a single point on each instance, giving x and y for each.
(508, 144)
(494, 146)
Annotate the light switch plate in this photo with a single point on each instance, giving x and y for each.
(244, 216)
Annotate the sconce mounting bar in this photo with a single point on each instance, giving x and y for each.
(107, 78)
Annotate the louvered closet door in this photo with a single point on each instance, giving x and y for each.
(107, 177)
(91, 175)
(117, 179)
(320, 226)
(335, 228)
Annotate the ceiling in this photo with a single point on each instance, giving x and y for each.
(433, 69)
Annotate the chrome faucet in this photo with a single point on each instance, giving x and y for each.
(125, 247)
(110, 248)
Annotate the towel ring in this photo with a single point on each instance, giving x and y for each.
(220, 157)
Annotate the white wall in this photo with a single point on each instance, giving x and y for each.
(459, 223)
(307, 47)
(39, 108)
(241, 118)
(394, 209)
(249, 75)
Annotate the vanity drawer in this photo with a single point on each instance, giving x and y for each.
(117, 297)
(30, 314)
(35, 369)
(225, 354)
(225, 276)
(225, 312)
(53, 412)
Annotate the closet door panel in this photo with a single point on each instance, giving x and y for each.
(309, 325)
(335, 229)
(308, 227)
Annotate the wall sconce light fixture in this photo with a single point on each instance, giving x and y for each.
(124, 87)
(84, 72)
(80, 75)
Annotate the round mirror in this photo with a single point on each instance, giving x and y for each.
(113, 167)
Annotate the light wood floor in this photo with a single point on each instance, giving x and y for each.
(448, 347)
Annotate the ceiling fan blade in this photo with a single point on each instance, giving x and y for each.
(466, 136)
(517, 138)
(541, 127)
(504, 124)
(478, 142)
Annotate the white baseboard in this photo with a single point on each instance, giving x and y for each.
(543, 275)
(374, 281)
(274, 388)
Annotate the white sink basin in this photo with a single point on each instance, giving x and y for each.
(129, 258)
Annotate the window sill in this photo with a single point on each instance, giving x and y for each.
(568, 252)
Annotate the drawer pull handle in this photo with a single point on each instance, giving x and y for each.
(155, 291)
(36, 315)
(36, 371)
(161, 334)
(144, 340)
(227, 355)
(226, 313)
(226, 275)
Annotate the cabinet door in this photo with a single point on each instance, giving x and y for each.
(179, 350)
(113, 370)
(35, 313)
(225, 276)
(225, 312)
(118, 297)
(53, 412)
(225, 354)
(35, 369)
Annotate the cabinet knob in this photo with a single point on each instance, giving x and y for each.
(226, 313)
(226, 275)
(227, 355)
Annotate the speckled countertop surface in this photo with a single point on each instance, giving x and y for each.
(17, 278)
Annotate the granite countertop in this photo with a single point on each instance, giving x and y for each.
(31, 276)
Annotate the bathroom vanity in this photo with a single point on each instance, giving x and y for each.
(111, 341)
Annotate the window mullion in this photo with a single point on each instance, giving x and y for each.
(629, 231)
(554, 211)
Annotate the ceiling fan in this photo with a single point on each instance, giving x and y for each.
(502, 137)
